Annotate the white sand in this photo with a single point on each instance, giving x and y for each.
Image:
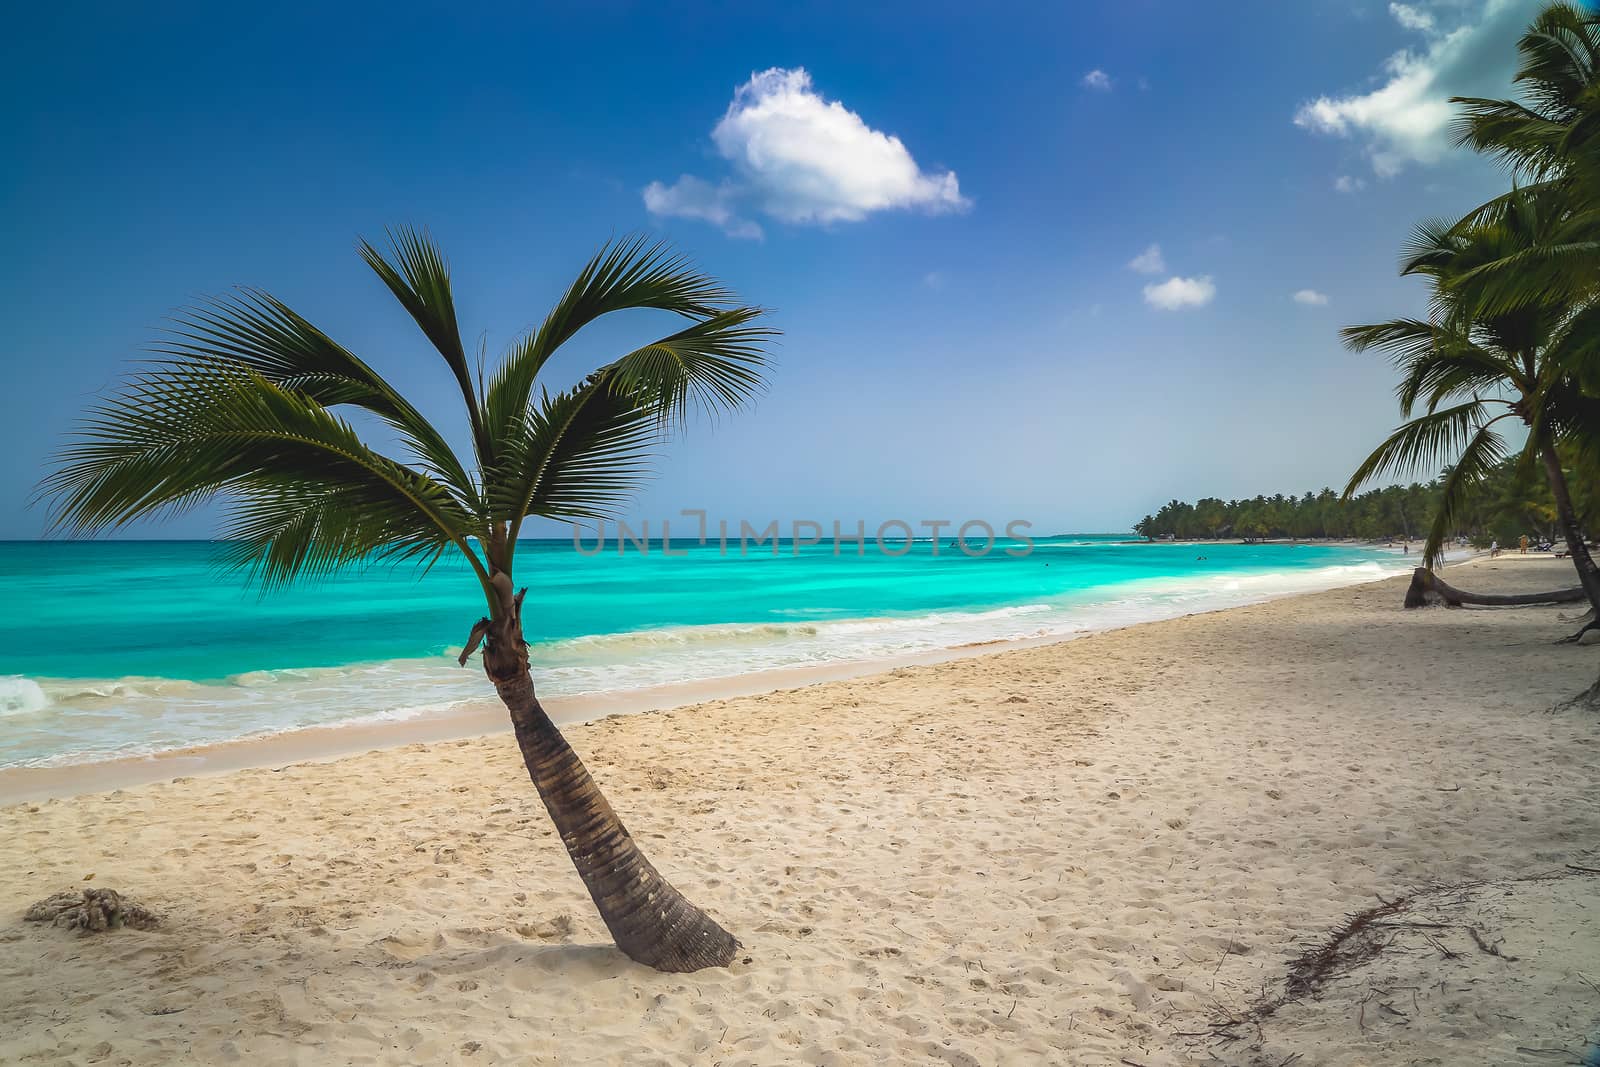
(1071, 854)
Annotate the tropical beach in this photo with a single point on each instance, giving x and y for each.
(675, 591)
(1102, 851)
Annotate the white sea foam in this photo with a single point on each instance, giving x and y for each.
(21, 696)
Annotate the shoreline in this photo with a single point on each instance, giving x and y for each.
(320, 744)
(480, 718)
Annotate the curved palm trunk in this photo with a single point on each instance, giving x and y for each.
(1587, 575)
(650, 920)
(1424, 583)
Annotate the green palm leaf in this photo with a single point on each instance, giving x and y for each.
(1427, 443)
(629, 274)
(1436, 362)
(577, 454)
(184, 432)
(417, 275)
(251, 329)
(714, 365)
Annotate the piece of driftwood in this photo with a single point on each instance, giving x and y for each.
(1426, 587)
(91, 911)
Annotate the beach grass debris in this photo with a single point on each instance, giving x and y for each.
(1361, 938)
(1353, 942)
(91, 911)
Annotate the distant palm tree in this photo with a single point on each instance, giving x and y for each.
(1471, 370)
(244, 405)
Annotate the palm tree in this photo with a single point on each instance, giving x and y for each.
(1471, 370)
(1551, 138)
(244, 404)
(1554, 140)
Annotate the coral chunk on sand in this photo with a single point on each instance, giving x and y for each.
(91, 911)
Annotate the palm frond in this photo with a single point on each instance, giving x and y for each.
(576, 454)
(420, 279)
(1575, 349)
(1541, 274)
(1404, 339)
(1513, 134)
(1432, 246)
(1568, 410)
(632, 273)
(1477, 460)
(294, 532)
(1447, 380)
(715, 364)
(1425, 443)
(1559, 56)
(1494, 210)
(1552, 135)
(182, 432)
(1436, 363)
(255, 331)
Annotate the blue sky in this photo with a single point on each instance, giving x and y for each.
(951, 209)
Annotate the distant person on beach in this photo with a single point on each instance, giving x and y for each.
(1522, 545)
(1494, 549)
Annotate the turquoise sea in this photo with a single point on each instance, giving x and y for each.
(125, 647)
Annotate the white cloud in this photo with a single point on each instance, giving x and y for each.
(1311, 297)
(803, 159)
(1098, 80)
(1344, 183)
(1412, 18)
(1150, 261)
(691, 198)
(1175, 293)
(1406, 119)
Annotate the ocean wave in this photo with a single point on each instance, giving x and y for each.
(89, 691)
(766, 633)
(669, 636)
(21, 696)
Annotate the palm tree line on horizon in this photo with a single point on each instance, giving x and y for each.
(1512, 500)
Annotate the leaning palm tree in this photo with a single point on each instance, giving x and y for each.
(244, 403)
(1471, 370)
